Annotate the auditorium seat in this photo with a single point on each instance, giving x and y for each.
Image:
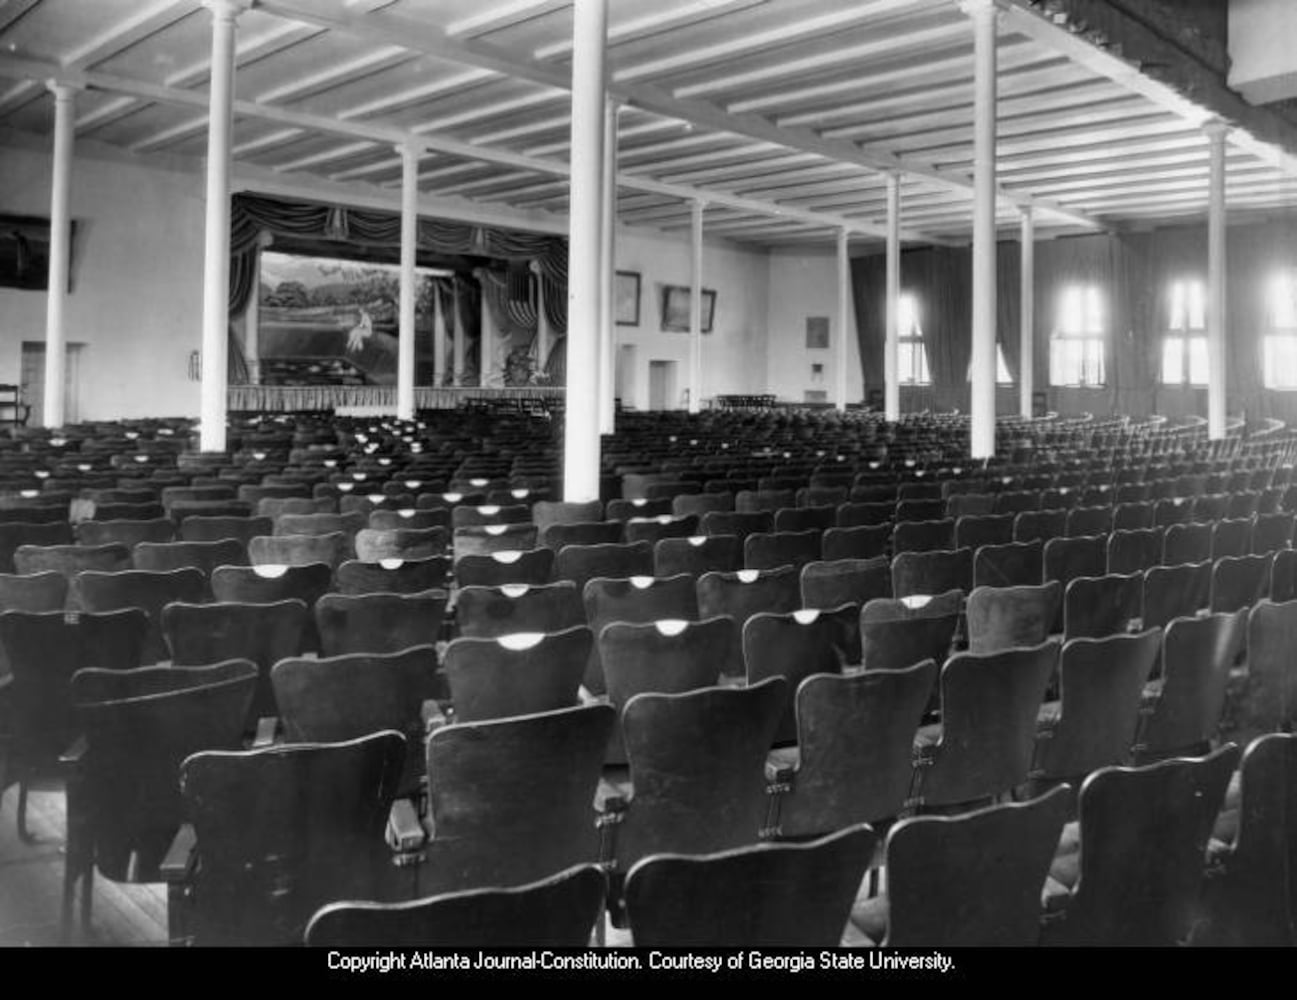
(516, 674)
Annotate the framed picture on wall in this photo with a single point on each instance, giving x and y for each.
(25, 252)
(675, 308)
(626, 298)
(817, 333)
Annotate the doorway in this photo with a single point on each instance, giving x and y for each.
(626, 376)
(662, 385)
(33, 382)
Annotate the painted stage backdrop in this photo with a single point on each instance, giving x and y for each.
(334, 322)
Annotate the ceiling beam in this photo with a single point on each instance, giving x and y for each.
(1020, 18)
(386, 29)
(40, 69)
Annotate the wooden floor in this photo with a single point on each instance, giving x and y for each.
(31, 885)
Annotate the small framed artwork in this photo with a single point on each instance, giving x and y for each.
(626, 298)
(25, 252)
(675, 308)
(817, 333)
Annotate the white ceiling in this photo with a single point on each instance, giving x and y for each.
(781, 114)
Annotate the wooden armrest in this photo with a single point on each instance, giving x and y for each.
(267, 726)
(404, 831)
(75, 754)
(181, 856)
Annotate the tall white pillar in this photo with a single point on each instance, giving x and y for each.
(696, 306)
(608, 264)
(60, 254)
(844, 319)
(1027, 316)
(585, 219)
(1216, 353)
(982, 410)
(457, 351)
(216, 248)
(892, 305)
(409, 247)
(438, 339)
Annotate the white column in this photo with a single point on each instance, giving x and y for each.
(216, 249)
(844, 319)
(457, 373)
(892, 305)
(60, 236)
(409, 247)
(1027, 315)
(696, 306)
(438, 339)
(542, 321)
(984, 89)
(608, 264)
(1216, 347)
(585, 215)
(252, 325)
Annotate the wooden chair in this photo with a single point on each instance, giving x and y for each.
(128, 533)
(972, 531)
(1172, 592)
(1088, 521)
(392, 576)
(655, 529)
(300, 550)
(855, 737)
(582, 563)
(378, 544)
(138, 727)
(696, 555)
(966, 881)
(378, 623)
(796, 645)
(1238, 582)
(763, 551)
(518, 674)
(895, 633)
(266, 584)
(511, 800)
(44, 650)
(37, 592)
(983, 746)
(1002, 618)
(495, 569)
(1251, 891)
(137, 588)
(1134, 550)
(1018, 564)
(738, 524)
(15, 535)
(71, 559)
(1095, 721)
(1186, 543)
(801, 519)
(745, 593)
(409, 518)
(277, 833)
(211, 529)
(556, 912)
(923, 536)
(933, 572)
(845, 581)
(490, 612)
(1143, 834)
(201, 634)
(547, 512)
(1231, 538)
(1094, 607)
(1268, 700)
(860, 542)
(1182, 710)
(1039, 525)
(787, 895)
(468, 516)
(624, 510)
(697, 770)
(1272, 532)
(205, 556)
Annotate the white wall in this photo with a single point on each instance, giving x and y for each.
(800, 284)
(137, 270)
(734, 356)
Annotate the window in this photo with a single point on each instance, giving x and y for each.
(1184, 348)
(912, 355)
(1077, 347)
(1281, 332)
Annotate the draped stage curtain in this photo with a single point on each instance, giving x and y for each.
(252, 217)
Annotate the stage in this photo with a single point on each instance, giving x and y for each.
(373, 400)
